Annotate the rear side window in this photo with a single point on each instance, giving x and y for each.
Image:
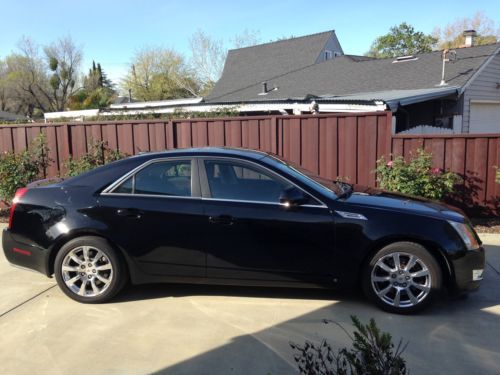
(228, 180)
(168, 178)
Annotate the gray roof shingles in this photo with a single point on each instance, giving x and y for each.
(346, 75)
(251, 65)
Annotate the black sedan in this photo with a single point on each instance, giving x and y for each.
(232, 216)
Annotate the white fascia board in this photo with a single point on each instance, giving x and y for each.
(71, 114)
(256, 107)
(158, 103)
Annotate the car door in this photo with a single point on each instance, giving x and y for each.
(252, 236)
(154, 213)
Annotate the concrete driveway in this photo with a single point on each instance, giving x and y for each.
(178, 329)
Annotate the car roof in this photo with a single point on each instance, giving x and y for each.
(208, 151)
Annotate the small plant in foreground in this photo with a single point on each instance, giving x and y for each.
(98, 154)
(415, 177)
(372, 353)
(18, 170)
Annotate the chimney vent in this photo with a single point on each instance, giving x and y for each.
(469, 35)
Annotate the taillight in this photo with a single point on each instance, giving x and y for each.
(19, 193)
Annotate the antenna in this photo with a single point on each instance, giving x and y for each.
(448, 55)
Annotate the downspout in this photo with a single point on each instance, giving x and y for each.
(407, 115)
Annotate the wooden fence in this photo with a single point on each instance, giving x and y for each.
(346, 145)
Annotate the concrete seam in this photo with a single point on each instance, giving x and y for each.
(25, 302)
(494, 269)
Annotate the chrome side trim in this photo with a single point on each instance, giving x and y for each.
(351, 215)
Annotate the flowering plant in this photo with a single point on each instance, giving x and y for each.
(415, 177)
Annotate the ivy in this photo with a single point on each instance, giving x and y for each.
(19, 169)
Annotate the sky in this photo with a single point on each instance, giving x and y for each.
(111, 31)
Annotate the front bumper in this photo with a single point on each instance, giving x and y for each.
(468, 270)
(24, 255)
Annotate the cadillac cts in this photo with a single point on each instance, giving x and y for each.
(233, 216)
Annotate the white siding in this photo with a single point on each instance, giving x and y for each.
(483, 88)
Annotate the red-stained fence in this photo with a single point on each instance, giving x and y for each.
(345, 145)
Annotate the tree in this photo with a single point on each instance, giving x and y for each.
(207, 59)
(38, 83)
(208, 56)
(401, 40)
(97, 91)
(451, 36)
(247, 38)
(159, 74)
(64, 59)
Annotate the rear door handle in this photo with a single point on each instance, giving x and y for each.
(222, 219)
(129, 212)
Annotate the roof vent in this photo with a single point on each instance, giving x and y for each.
(264, 89)
(405, 58)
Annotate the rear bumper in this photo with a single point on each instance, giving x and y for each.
(24, 255)
(468, 270)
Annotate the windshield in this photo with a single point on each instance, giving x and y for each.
(337, 187)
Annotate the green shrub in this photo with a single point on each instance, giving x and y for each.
(98, 154)
(18, 170)
(372, 353)
(416, 177)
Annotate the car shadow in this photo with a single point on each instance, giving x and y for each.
(455, 335)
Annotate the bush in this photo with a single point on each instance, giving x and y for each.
(98, 154)
(18, 170)
(416, 177)
(372, 353)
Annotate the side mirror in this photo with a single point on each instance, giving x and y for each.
(293, 197)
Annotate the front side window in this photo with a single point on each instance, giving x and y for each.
(169, 178)
(236, 181)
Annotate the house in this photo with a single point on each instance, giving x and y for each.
(303, 71)
(454, 91)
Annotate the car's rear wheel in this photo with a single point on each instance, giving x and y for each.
(403, 278)
(88, 269)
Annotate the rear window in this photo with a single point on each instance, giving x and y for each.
(168, 178)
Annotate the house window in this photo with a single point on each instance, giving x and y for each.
(328, 55)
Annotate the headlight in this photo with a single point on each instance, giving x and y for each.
(466, 233)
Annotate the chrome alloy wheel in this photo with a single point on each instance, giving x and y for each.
(87, 271)
(401, 279)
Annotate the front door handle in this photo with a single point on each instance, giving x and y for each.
(222, 219)
(129, 212)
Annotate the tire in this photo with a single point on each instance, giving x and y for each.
(408, 287)
(89, 270)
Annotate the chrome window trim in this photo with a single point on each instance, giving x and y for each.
(149, 196)
(259, 202)
(109, 190)
(114, 185)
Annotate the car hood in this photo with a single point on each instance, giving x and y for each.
(381, 199)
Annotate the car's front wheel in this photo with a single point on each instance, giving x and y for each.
(88, 269)
(403, 278)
